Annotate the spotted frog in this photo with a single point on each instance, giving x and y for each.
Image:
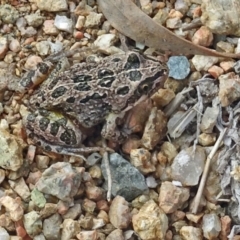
(70, 102)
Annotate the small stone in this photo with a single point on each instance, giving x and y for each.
(119, 213)
(63, 23)
(211, 226)
(171, 197)
(227, 65)
(225, 227)
(225, 47)
(34, 20)
(169, 150)
(49, 28)
(93, 159)
(105, 41)
(93, 20)
(155, 129)
(88, 206)
(8, 14)
(215, 71)
(3, 47)
(190, 233)
(141, 159)
(69, 229)
(11, 151)
(203, 37)
(150, 222)
(38, 198)
(28, 32)
(194, 217)
(203, 63)
(95, 172)
(188, 165)
(127, 181)
(173, 23)
(98, 223)
(32, 223)
(32, 61)
(42, 161)
(179, 67)
(43, 48)
(13, 207)
(207, 139)
(182, 6)
(14, 45)
(4, 234)
(73, 212)
(52, 5)
(209, 119)
(48, 210)
(80, 22)
(163, 97)
(116, 234)
(60, 180)
(224, 21)
(229, 88)
(51, 227)
(21, 188)
(94, 192)
(88, 235)
(151, 182)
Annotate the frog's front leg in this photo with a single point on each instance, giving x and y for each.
(110, 129)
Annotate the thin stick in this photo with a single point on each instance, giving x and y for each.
(197, 199)
(108, 172)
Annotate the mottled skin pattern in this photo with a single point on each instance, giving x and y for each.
(89, 94)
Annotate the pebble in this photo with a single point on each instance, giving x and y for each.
(4, 234)
(73, 212)
(8, 14)
(150, 222)
(215, 71)
(93, 20)
(38, 198)
(32, 223)
(155, 128)
(179, 67)
(203, 63)
(209, 119)
(185, 169)
(60, 180)
(34, 20)
(21, 188)
(173, 23)
(52, 226)
(52, 6)
(172, 198)
(80, 22)
(228, 88)
(43, 48)
(190, 233)
(14, 45)
(211, 226)
(119, 213)
(105, 41)
(225, 47)
(182, 6)
(141, 159)
(223, 21)
(227, 65)
(163, 97)
(11, 151)
(3, 47)
(127, 181)
(63, 23)
(207, 139)
(32, 62)
(203, 37)
(69, 229)
(169, 151)
(49, 28)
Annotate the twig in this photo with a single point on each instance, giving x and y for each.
(108, 171)
(197, 199)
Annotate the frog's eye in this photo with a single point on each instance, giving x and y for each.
(144, 88)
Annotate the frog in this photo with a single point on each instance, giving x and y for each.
(74, 99)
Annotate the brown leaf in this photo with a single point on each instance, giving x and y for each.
(128, 19)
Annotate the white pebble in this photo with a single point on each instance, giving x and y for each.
(63, 23)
